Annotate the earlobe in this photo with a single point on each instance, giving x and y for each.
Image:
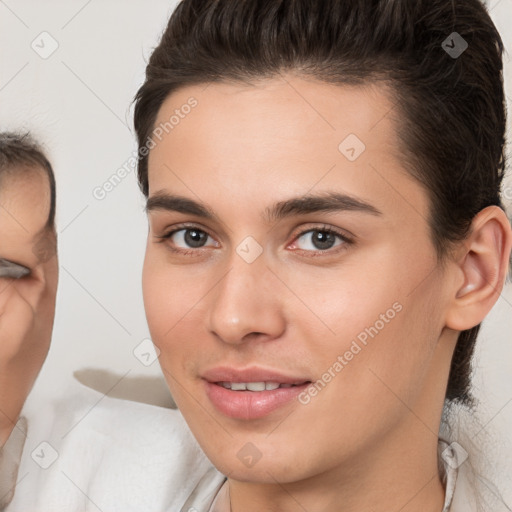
(484, 265)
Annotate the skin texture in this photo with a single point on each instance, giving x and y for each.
(368, 439)
(27, 305)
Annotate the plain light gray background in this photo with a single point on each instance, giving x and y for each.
(77, 100)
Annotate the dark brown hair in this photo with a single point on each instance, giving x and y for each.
(451, 120)
(22, 151)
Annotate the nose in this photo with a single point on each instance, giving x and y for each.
(246, 305)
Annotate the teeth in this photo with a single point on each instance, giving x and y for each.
(256, 386)
(253, 386)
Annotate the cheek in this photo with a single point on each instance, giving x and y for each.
(172, 299)
(372, 322)
(168, 294)
(337, 305)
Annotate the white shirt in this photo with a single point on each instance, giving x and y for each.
(94, 453)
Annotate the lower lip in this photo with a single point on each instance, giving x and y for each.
(250, 405)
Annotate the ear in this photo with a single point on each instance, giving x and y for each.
(483, 265)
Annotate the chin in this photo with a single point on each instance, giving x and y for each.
(261, 473)
(245, 462)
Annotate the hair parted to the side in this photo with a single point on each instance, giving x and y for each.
(22, 151)
(450, 111)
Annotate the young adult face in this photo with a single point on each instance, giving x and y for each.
(28, 283)
(347, 289)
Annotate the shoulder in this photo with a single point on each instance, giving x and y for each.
(89, 451)
(10, 455)
(468, 463)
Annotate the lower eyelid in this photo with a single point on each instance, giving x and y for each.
(326, 253)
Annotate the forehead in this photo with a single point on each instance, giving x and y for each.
(305, 108)
(254, 138)
(25, 199)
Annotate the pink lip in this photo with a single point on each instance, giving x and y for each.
(250, 405)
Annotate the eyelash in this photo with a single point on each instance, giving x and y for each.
(345, 239)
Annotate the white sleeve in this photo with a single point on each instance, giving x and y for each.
(10, 456)
(88, 452)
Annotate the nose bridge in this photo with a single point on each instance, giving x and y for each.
(243, 303)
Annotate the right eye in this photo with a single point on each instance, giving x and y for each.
(11, 270)
(190, 238)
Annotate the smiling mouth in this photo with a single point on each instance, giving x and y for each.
(257, 386)
(254, 399)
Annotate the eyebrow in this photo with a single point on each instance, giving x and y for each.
(327, 202)
(174, 203)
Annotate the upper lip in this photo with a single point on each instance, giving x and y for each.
(252, 374)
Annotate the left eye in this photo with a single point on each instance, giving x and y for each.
(318, 240)
(190, 238)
